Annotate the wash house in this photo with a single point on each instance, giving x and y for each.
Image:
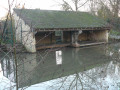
(41, 29)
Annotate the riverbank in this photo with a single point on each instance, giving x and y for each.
(114, 35)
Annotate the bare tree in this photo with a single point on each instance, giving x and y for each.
(74, 6)
(112, 6)
(115, 5)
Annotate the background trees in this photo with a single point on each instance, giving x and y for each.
(73, 5)
(109, 10)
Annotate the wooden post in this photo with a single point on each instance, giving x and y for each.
(51, 38)
(21, 32)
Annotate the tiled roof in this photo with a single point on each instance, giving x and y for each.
(50, 19)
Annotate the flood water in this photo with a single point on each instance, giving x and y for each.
(88, 68)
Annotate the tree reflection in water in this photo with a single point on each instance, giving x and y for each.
(105, 77)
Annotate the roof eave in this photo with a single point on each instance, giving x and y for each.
(71, 29)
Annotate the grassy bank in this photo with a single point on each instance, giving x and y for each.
(115, 32)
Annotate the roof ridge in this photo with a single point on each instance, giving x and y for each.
(50, 10)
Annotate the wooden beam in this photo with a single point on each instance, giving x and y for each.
(88, 44)
(72, 29)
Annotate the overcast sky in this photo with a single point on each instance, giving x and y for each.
(42, 4)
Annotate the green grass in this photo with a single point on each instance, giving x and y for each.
(115, 32)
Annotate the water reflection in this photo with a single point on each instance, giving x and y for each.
(89, 68)
(58, 57)
(8, 67)
(7, 72)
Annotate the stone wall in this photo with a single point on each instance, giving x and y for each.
(99, 35)
(24, 34)
(43, 38)
(82, 37)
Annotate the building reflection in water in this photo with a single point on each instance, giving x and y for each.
(87, 68)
